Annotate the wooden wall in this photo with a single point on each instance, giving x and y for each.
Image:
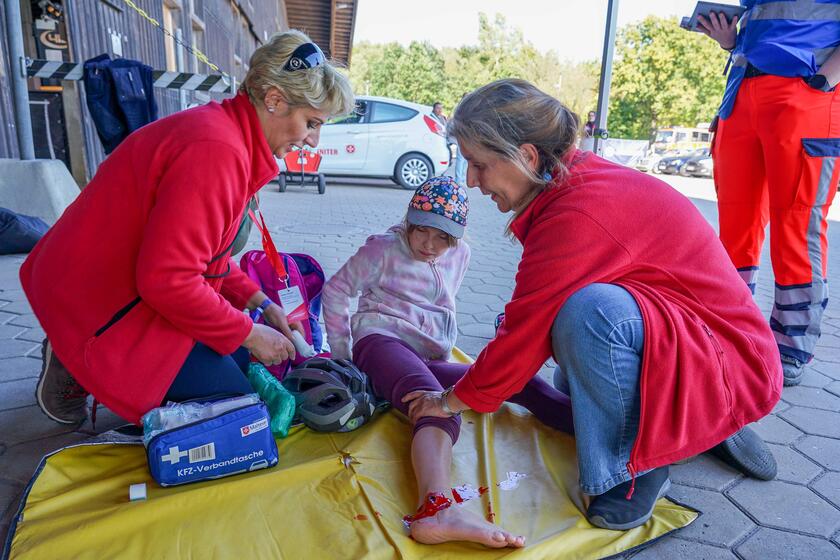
(230, 28)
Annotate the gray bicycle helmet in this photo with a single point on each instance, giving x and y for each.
(331, 395)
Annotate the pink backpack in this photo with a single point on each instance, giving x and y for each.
(274, 271)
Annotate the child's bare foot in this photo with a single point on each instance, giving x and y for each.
(457, 524)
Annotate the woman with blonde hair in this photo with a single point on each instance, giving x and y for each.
(135, 286)
(661, 349)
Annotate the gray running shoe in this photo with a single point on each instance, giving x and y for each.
(793, 370)
(58, 394)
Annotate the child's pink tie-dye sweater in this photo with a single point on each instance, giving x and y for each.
(398, 296)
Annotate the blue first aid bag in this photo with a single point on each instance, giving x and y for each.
(228, 437)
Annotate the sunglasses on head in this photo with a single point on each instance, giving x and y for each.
(308, 55)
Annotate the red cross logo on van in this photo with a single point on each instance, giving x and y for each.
(350, 148)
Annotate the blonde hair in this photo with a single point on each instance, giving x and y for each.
(407, 227)
(322, 87)
(504, 115)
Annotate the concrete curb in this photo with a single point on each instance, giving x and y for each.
(39, 187)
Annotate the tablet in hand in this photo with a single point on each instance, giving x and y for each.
(705, 9)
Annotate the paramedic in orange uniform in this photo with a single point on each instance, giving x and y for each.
(775, 154)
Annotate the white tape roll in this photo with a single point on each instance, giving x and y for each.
(137, 492)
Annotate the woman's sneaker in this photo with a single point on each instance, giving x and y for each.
(58, 394)
(612, 509)
(747, 452)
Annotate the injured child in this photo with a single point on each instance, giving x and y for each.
(402, 335)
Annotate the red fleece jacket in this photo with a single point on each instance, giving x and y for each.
(710, 363)
(133, 274)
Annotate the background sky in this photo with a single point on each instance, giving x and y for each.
(572, 28)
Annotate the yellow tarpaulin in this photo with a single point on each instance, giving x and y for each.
(338, 496)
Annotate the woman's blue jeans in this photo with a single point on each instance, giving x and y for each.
(206, 373)
(597, 338)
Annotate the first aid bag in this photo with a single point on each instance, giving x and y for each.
(193, 441)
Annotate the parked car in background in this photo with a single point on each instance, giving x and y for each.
(672, 165)
(387, 138)
(699, 166)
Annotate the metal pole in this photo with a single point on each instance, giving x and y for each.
(606, 77)
(179, 64)
(20, 90)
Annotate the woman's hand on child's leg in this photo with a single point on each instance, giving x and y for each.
(424, 403)
(437, 404)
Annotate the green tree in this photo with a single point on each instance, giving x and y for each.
(383, 74)
(464, 71)
(415, 73)
(578, 85)
(423, 74)
(502, 50)
(365, 57)
(504, 53)
(663, 76)
(420, 74)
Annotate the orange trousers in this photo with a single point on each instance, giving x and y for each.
(776, 160)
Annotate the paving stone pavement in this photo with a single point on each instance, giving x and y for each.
(796, 516)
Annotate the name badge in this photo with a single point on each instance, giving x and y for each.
(292, 302)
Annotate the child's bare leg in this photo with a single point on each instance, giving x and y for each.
(395, 370)
(431, 455)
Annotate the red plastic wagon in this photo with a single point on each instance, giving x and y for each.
(301, 168)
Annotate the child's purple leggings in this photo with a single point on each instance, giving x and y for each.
(396, 370)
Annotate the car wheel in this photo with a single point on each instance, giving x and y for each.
(281, 182)
(413, 170)
(322, 183)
